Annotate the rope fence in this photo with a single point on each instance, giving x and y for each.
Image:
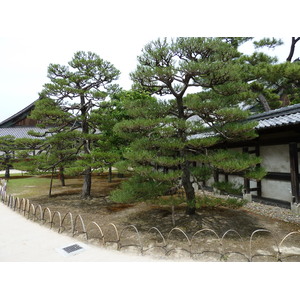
(203, 245)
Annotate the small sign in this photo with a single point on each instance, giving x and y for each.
(72, 249)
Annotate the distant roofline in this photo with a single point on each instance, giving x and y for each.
(16, 115)
(287, 110)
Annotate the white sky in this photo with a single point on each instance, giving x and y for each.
(35, 33)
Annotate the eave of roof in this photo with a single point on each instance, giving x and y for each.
(285, 116)
(277, 118)
(287, 110)
(19, 115)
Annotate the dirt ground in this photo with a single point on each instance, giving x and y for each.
(199, 234)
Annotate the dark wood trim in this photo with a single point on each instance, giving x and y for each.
(247, 188)
(280, 176)
(293, 151)
(246, 180)
(259, 188)
(226, 177)
(270, 176)
(216, 175)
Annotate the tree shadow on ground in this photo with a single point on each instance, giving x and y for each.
(218, 219)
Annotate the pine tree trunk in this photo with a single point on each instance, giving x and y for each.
(285, 101)
(186, 174)
(189, 190)
(87, 183)
(109, 174)
(264, 102)
(87, 177)
(62, 176)
(7, 173)
(51, 183)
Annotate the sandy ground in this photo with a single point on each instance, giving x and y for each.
(22, 240)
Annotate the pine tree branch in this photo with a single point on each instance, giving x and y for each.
(292, 48)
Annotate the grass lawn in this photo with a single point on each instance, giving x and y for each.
(28, 187)
(35, 186)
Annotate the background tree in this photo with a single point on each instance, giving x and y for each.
(275, 84)
(151, 154)
(292, 48)
(184, 128)
(108, 148)
(26, 149)
(7, 148)
(17, 153)
(76, 90)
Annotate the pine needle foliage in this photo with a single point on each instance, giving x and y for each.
(174, 141)
(65, 106)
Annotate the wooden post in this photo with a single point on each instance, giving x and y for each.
(247, 188)
(216, 175)
(258, 183)
(226, 177)
(110, 173)
(246, 180)
(294, 169)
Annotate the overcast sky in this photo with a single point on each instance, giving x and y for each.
(35, 33)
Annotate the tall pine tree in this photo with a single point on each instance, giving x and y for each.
(173, 141)
(75, 90)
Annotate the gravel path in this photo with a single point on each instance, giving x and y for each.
(274, 212)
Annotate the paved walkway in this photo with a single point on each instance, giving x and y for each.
(22, 240)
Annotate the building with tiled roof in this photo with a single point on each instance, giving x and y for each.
(277, 144)
(21, 118)
(20, 123)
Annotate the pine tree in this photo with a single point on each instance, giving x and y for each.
(7, 148)
(274, 84)
(108, 148)
(172, 142)
(73, 92)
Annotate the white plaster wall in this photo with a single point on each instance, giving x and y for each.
(275, 158)
(236, 179)
(210, 181)
(240, 181)
(276, 190)
(221, 177)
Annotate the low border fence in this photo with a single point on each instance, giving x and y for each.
(203, 245)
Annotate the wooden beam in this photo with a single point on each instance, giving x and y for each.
(246, 180)
(258, 182)
(216, 175)
(293, 151)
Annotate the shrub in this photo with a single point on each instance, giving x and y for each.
(136, 189)
(229, 187)
(211, 201)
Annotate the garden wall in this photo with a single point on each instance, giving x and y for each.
(276, 186)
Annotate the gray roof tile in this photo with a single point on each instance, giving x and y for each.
(278, 121)
(20, 132)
